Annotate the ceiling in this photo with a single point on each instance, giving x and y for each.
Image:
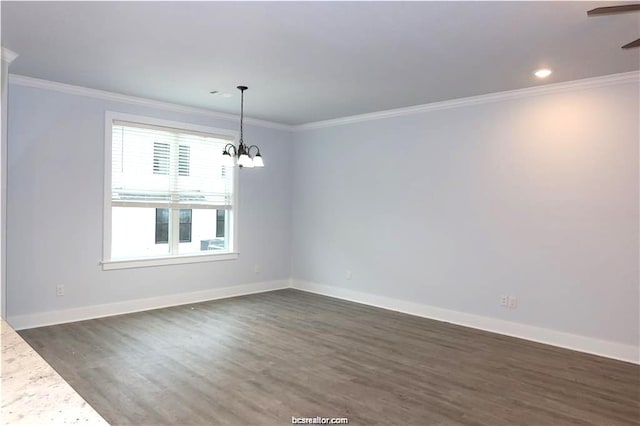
(305, 62)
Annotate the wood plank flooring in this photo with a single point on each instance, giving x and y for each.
(261, 359)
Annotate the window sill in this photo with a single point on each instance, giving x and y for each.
(163, 261)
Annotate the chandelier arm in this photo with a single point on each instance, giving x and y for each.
(253, 146)
(230, 147)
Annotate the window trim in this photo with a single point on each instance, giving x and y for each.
(106, 262)
(145, 262)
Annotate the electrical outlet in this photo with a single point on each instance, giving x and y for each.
(504, 301)
(60, 290)
(348, 274)
(256, 269)
(512, 302)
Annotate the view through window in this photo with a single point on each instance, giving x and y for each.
(170, 193)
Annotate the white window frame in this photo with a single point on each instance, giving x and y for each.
(174, 259)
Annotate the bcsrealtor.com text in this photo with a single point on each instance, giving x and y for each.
(320, 420)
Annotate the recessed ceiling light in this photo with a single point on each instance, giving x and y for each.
(543, 73)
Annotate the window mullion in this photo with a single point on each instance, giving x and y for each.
(174, 230)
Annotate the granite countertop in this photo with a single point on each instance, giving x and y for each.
(33, 393)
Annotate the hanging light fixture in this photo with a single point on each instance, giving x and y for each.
(241, 155)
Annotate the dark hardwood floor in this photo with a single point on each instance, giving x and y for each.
(261, 359)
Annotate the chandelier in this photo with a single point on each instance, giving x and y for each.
(241, 155)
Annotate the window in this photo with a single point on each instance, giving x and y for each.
(184, 155)
(160, 158)
(170, 199)
(185, 225)
(162, 226)
(220, 221)
(162, 155)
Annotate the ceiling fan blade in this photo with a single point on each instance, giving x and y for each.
(613, 9)
(635, 43)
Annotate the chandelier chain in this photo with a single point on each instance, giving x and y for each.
(241, 112)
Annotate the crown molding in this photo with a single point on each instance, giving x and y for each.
(607, 80)
(21, 80)
(7, 55)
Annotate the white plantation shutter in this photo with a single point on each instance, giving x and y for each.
(161, 167)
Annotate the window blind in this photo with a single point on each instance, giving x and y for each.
(162, 167)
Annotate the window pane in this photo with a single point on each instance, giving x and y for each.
(203, 233)
(185, 225)
(134, 232)
(220, 223)
(162, 226)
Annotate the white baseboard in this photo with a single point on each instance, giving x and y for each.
(615, 350)
(21, 322)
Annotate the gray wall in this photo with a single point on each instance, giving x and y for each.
(55, 209)
(4, 80)
(535, 197)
